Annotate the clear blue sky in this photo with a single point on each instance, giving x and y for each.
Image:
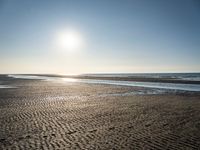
(121, 36)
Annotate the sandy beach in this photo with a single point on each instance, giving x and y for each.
(99, 75)
(50, 115)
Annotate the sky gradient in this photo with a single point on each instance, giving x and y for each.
(121, 36)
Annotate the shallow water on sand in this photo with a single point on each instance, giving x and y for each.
(157, 85)
(6, 86)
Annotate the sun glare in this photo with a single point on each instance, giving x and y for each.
(69, 40)
(69, 79)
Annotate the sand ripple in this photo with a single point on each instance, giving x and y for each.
(46, 115)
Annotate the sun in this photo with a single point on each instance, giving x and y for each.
(69, 40)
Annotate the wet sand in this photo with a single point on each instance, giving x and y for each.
(126, 78)
(50, 115)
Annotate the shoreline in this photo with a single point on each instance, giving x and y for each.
(136, 79)
(111, 81)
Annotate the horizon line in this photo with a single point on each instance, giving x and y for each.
(100, 73)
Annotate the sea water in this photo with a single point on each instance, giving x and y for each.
(157, 85)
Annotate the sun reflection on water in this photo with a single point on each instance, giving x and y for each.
(69, 80)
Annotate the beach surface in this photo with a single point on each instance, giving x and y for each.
(37, 114)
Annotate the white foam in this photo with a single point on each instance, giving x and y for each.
(6, 86)
(191, 78)
(32, 77)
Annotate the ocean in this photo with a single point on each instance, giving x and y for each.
(182, 76)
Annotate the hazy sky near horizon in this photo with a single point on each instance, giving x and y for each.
(119, 35)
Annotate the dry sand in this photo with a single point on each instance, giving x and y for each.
(47, 115)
